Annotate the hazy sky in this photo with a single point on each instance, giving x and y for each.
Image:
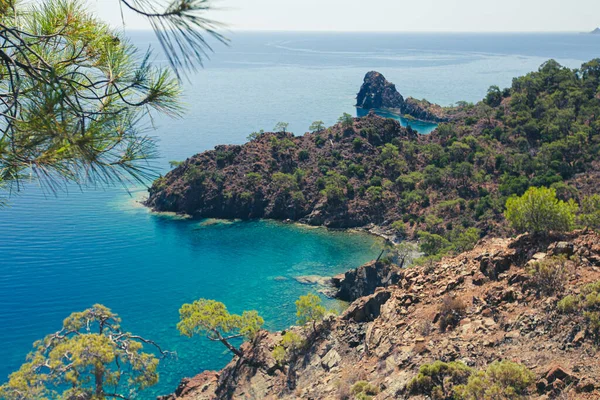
(391, 15)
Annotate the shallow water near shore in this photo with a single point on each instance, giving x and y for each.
(62, 254)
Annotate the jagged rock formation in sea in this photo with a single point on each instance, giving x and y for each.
(377, 93)
(595, 31)
(384, 338)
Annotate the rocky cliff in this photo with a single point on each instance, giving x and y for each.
(478, 307)
(377, 93)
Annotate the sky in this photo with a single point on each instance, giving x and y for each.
(388, 15)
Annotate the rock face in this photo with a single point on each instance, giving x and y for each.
(363, 280)
(377, 92)
(385, 337)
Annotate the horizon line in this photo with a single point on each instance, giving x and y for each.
(376, 31)
(234, 30)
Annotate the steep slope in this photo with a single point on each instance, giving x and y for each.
(384, 338)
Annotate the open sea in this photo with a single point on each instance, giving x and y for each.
(60, 254)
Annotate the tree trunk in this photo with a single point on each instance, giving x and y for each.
(99, 377)
(229, 345)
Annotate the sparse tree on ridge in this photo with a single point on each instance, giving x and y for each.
(316, 126)
(310, 309)
(211, 319)
(281, 127)
(346, 120)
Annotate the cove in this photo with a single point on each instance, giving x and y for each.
(423, 127)
(144, 266)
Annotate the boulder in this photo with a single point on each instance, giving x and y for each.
(493, 265)
(363, 280)
(557, 372)
(367, 308)
(331, 359)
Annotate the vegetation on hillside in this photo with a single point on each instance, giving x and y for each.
(455, 380)
(446, 189)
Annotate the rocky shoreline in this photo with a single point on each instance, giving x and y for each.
(383, 338)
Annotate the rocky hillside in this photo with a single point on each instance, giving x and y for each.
(377, 93)
(479, 307)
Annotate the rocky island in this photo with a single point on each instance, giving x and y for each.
(371, 170)
(595, 31)
(377, 93)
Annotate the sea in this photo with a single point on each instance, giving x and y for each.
(62, 252)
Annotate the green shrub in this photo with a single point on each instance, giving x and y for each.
(290, 343)
(253, 178)
(334, 188)
(464, 239)
(279, 354)
(454, 380)
(363, 390)
(587, 304)
(590, 212)
(431, 243)
(399, 228)
(568, 304)
(437, 380)
(194, 174)
(501, 380)
(539, 211)
(303, 155)
(549, 274)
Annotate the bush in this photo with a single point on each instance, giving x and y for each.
(587, 304)
(590, 212)
(290, 343)
(363, 390)
(549, 274)
(432, 244)
(437, 380)
(303, 155)
(465, 239)
(538, 211)
(451, 312)
(501, 380)
(568, 304)
(399, 228)
(455, 380)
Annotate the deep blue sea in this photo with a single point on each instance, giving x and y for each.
(60, 254)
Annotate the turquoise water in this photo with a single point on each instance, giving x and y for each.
(423, 127)
(62, 254)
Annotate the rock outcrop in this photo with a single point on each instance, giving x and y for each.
(595, 31)
(364, 280)
(385, 337)
(377, 93)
